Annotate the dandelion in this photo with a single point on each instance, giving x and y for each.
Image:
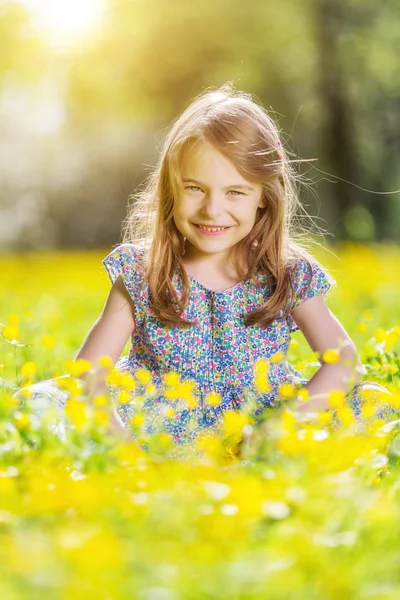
(48, 341)
(169, 412)
(172, 379)
(324, 418)
(368, 410)
(391, 339)
(233, 423)
(277, 357)
(303, 394)
(76, 411)
(127, 382)
(151, 390)
(294, 344)
(286, 390)
(380, 335)
(78, 367)
(137, 420)
(10, 332)
(143, 376)
(13, 319)
(21, 421)
(331, 356)
(114, 377)
(345, 415)
(367, 316)
(362, 327)
(336, 399)
(28, 369)
(100, 400)
(105, 362)
(213, 398)
(124, 397)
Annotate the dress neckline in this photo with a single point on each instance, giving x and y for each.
(227, 291)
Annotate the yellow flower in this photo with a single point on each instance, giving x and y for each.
(391, 339)
(361, 327)
(277, 357)
(368, 410)
(76, 410)
(137, 420)
(262, 384)
(336, 399)
(261, 366)
(169, 412)
(114, 377)
(22, 421)
(191, 401)
(325, 417)
(100, 400)
(288, 420)
(290, 444)
(48, 341)
(293, 344)
(28, 369)
(286, 390)
(303, 394)
(233, 423)
(13, 319)
(367, 316)
(172, 379)
(78, 367)
(143, 376)
(1, 368)
(345, 415)
(213, 398)
(151, 390)
(331, 356)
(127, 382)
(300, 366)
(380, 335)
(101, 417)
(105, 361)
(124, 397)
(10, 332)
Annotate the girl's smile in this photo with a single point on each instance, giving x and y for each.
(214, 199)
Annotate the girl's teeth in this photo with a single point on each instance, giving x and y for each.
(212, 228)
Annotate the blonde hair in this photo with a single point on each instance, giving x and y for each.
(241, 130)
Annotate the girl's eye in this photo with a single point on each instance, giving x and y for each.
(236, 192)
(193, 187)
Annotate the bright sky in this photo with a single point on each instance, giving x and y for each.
(65, 21)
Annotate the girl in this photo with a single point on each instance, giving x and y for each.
(210, 279)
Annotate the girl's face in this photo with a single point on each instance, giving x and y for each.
(214, 194)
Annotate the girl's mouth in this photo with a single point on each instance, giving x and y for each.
(212, 230)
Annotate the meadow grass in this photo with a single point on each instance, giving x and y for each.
(306, 511)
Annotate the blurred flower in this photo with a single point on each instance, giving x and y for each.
(48, 341)
(13, 319)
(78, 367)
(143, 376)
(336, 398)
(331, 356)
(10, 332)
(286, 390)
(28, 369)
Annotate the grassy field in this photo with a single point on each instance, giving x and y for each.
(306, 511)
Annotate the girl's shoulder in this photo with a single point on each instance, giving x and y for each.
(308, 277)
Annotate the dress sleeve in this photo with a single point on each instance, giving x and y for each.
(308, 284)
(125, 260)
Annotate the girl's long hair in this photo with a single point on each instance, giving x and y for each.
(242, 131)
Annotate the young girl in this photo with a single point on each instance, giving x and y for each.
(209, 278)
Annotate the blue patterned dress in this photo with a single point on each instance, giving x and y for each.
(218, 354)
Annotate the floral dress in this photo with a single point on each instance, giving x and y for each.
(218, 354)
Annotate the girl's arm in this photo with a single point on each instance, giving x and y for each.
(323, 331)
(108, 337)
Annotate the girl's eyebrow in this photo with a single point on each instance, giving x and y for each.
(238, 186)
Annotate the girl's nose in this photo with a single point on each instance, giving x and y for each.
(212, 205)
